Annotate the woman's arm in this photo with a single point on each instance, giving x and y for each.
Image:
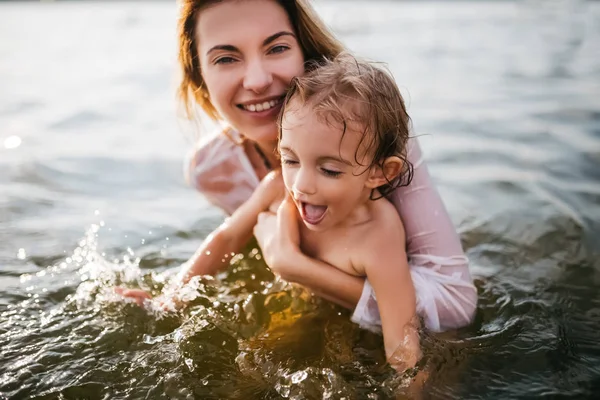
(229, 238)
(215, 252)
(279, 239)
(433, 245)
(428, 227)
(323, 279)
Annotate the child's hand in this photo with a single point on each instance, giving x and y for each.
(137, 295)
(278, 236)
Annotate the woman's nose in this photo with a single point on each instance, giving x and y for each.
(257, 77)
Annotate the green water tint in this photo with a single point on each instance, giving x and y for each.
(246, 335)
(65, 334)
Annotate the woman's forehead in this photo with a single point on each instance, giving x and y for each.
(234, 21)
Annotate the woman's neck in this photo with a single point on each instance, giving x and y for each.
(269, 152)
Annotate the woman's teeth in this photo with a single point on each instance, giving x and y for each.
(267, 105)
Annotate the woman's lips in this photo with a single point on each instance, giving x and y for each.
(265, 109)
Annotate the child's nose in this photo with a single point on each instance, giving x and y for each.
(304, 183)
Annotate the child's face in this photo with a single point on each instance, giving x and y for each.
(320, 170)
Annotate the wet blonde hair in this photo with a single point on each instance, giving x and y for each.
(346, 90)
(315, 40)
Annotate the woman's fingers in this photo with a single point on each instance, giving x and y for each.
(136, 295)
(264, 224)
(287, 220)
(133, 293)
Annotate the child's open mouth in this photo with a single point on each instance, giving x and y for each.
(311, 213)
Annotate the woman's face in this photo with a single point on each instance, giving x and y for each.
(248, 54)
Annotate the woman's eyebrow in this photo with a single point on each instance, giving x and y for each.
(276, 36)
(225, 47)
(270, 39)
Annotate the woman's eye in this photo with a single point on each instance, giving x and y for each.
(224, 60)
(278, 49)
(331, 173)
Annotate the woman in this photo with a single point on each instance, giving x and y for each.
(237, 59)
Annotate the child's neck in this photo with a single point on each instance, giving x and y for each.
(363, 211)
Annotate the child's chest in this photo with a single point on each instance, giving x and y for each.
(337, 248)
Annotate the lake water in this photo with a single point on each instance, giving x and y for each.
(506, 98)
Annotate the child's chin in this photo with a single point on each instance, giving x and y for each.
(318, 227)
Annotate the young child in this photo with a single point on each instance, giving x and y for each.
(342, 143)
(343, 135)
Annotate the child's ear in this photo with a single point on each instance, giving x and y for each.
(384, 172)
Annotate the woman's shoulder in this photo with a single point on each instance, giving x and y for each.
(218, 167)
(217, 139)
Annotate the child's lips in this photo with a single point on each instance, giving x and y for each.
(311, 213)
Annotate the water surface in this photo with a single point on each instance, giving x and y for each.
(505, 98)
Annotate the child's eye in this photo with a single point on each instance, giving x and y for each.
(331, 173)
(278, 49)
(287, 161)
(224, 60)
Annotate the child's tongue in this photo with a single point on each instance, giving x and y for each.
(313, 214)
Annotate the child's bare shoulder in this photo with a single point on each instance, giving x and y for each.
(383, 238)
(386, 224)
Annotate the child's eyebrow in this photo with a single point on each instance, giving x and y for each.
(333, 158)
(286, 149)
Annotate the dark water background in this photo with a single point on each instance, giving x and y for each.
(507, 98)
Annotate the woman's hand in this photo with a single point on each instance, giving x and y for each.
(278, 236)
(137, 295)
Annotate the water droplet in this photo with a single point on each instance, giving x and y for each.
(97, 212)
(299, 376)
(190, 364)
(21, 254)
(12, 142)
(208, 252)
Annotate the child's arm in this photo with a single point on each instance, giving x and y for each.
(387, 270)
